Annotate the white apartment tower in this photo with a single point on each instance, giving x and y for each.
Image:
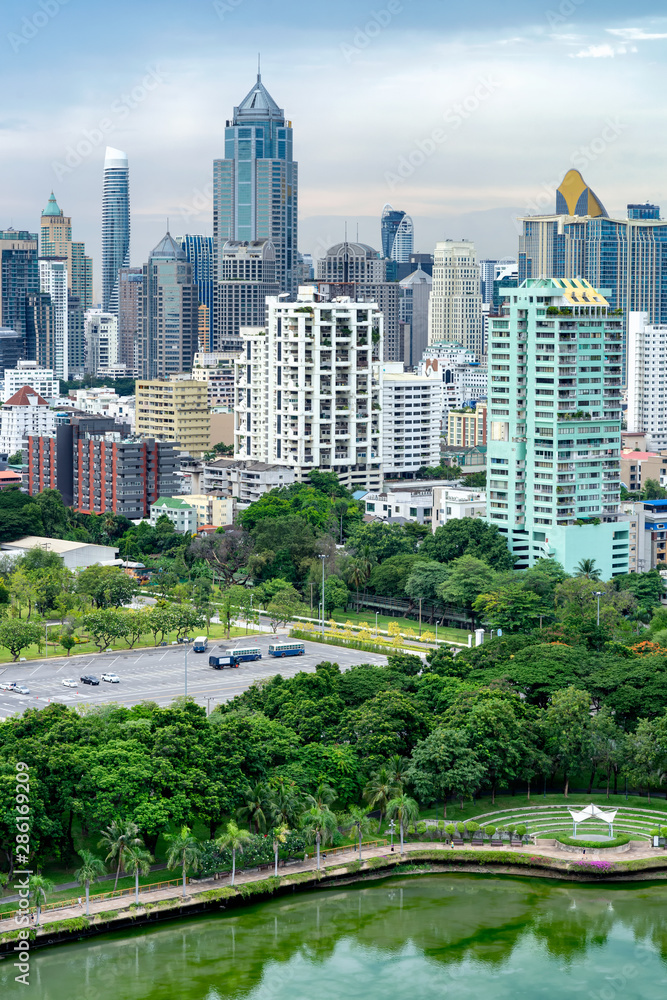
(647, 379)
(101, 333)
(53, 280)
(308, 389)
(411, 421)
(455, 306)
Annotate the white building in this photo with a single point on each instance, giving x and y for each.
(53, 281)
(106, 402)
(451, 503)
(101, 333)
(411, 421)
(464, 380)
(307, 391)
(182, 515)
(401, 503)
(217, 369)
(22, 414)
(41, 380)
(75, 555)
(647, 379)
(455, 306)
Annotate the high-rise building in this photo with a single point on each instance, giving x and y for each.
(647, 379)
(397, 234)
(414, 294)
(488, 272)
(19, 278)
(625, 257)
(11, 349)
(467, 427)
(554, 426)
(463, 379)
(41, 380)
(247, 277)
(169, 312)
(358, 271)
(175, 410)
(199, 252)
(56, 241)
(255, 187)
(115, 225)
(130, 282)
(455, 306)
(54, 283)
(411, 421)
(101, 341)
(308, 389)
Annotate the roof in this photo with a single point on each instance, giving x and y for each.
(641, 455)
(169, 249)
(58, 545)
(258, 105)
(114, 158)
(358, 494)
(171, 502)
(26, 396)
(574, 197)
(52, 206)
(417, 277)
(10, 475)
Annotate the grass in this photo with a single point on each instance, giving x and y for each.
(505, 802)
(368, 621)
(216, 631)
(127, 882)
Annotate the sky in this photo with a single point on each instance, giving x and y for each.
(465, 116)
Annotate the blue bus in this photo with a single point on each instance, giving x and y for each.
(245, 653)
(287, 649)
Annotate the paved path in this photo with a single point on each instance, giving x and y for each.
(344, 858)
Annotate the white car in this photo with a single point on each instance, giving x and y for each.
(7, 685)
(111, 678)
(21, 689)
(70, 683)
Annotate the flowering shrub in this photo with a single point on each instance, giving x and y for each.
(647, 648)
(593, 866)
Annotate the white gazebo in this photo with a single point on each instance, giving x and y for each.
(593, 812)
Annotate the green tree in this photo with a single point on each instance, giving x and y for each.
(106, 586)
(91, 867)
(184, 851)
(39, 886)
(104, 626)
(233, 839)
(68, 642)
(389, 576)
(405, 810)
(138, 862)
(336, 594)
(16, 458)
(467, 577)
(359, 820)
(644, 755)
(652, 490)
(567, 725)
(425, 581)
(255, 810)
(284, 607)
(319, 823)
(120, 837)
(496, 733)
(444, 764)
(279, 839)
(512, 609)
(17, 635)
(378, 790)
(587, 569)
(468, 536)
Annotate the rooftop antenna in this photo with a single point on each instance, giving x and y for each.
(259, 68)
(357, 231)
(167, 223)
(346, 230)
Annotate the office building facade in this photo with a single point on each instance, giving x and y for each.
(199, 253)
(101, 340)
(455, 306)
(19, 278)
(169, 310)
(309, 387)
(115, 225)
(175, 410)
(411, 422)
(247, 277)
(413, 298)
(554, 426)
(130, 283)
(397, 234)
(255, 186)
(54, 283)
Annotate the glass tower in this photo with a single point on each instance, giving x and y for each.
(397, 234)
(199, 252)
(255, 187)
(115, 225)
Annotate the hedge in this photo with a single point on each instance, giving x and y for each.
(619, 841)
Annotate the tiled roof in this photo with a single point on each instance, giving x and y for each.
(22, 397)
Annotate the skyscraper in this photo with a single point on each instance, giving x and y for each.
(19, 278)
(455, 306)
(397, 234)
(115, 225)
(255, 187)
(554, 430)
(199, 252)
(626, 257)
(247, 277)
(54, 280)
(169, 312)
(414, 295)
(130, 282)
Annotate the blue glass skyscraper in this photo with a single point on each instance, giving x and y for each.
(397, 233)
(115, 225)
(199, 252)
(255, 187)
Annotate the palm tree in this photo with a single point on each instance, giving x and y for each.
(323, 798)
(360, 819)
(184, 850)
(586, 568)
(233, 839)
(88, 872)
(279, 837)
(120, 837)
(404, 809)
(255, 808)
(286, 803)
(398, 771)
(320, 823)
(379, 790)
(138, 863)
(38, 886)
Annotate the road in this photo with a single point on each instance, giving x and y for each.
(159, 674)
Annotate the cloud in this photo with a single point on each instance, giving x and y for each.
(599, 52)
(635, 34)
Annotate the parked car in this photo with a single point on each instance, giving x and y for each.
(69, 682)
(89, 679)
(21, 689)
(7, 685)
(111, 678)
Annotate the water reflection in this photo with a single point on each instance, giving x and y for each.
(416, 936)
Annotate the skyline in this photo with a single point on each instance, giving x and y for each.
(469, 96)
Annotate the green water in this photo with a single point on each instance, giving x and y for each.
(404, 938)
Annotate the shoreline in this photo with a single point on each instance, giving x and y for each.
(211, 899)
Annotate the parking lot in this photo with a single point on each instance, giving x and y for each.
(159, 674)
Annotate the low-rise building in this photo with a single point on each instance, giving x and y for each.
(210, 508)
(42, 380)
(637, 467)
(451, 503)
(24, 413)
(182, 515)
(468, 458)
(401, 503)
(247, 481)
(467, 426)
(75, 555)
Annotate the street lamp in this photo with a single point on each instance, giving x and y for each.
(599, 594)
(392, 828)
(322, 557)
(376, 623)
(185, 664)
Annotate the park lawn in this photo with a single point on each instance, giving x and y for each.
(504, 802)
(444, 632)
(216, 631)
